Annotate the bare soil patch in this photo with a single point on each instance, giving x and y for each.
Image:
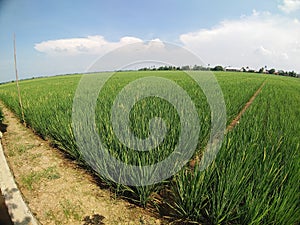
(56, 189)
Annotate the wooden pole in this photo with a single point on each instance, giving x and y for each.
(17, 82)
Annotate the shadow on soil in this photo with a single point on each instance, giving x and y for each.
(3, 127)
(8, 196)
(4, 215)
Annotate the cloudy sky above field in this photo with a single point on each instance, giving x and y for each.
(58, 37)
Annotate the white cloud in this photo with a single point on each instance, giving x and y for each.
(86, 54)
(152, 53)
(256, 40)
(263, 51)
(75, 46)
(289, 6)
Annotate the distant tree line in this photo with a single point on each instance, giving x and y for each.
(160, 68)
(279, 72)
(221, 68)
(186, 67)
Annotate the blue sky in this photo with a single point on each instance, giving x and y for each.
(236, 33)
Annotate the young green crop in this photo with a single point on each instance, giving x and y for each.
(254, 177)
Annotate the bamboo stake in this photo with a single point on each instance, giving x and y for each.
(17, 82)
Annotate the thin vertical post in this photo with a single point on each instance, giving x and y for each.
(17, 82)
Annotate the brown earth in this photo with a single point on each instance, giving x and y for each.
(56, 189)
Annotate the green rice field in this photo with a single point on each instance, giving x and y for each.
(253, 180)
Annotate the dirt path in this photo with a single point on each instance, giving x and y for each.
(56, 189)
(236, 120)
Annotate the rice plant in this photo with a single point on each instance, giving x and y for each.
(253, 180)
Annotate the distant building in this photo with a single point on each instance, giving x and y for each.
(233, 69)
(249, 70)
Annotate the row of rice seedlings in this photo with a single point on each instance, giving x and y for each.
(140, 115)
(47, 110)
(254, 179)
(48, 105)
(237, 89)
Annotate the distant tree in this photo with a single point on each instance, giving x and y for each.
(292, 74)
(218, 68)
(196, 67)
(200, 68)
(185, 67)
(161, 68)
(281, 73)
(261, 70)
(272, 71)
(143, 69)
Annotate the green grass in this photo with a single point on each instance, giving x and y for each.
(34, 177)
(253, 180)
(71, 210)
(67, 210)
(19, 149)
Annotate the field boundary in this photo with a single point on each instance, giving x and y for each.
(236, 120)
